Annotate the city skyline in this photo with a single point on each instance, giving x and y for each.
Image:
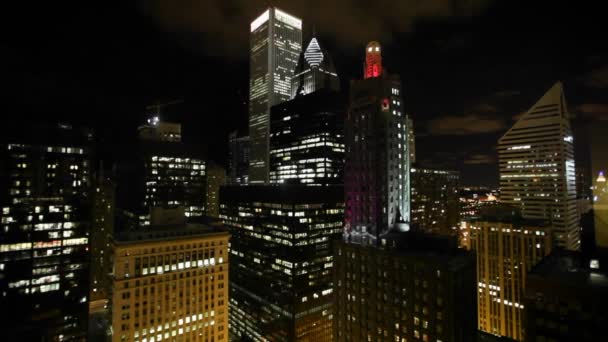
(304, 171)
(468, 74)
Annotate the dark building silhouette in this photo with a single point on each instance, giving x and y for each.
(44, 237)
(566, 299)
(102, 229)
(238, 159)
(281, 260)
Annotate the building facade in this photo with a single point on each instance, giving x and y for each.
(44, 235)
(537, 170)
(506, 248)
(281, 260)
(238, 159)
(435, 200)
(416, 287)
(275, 44)
(170, 283)
(307, 139)
(315, 70)
(377, 158)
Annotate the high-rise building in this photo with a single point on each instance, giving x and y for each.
(275, 44)
(507, 247)
(281, 260)
(170, 282)
(103, 220)
(307, 139)
(435, 200)
(566, 299)
(414, 287)
(44, 235)
(315, 70)
(391, 283)
(216, 177)
(238, 159)
(161, 173)
(377, 158)
(537, 167)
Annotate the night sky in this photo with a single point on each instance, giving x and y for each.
(468, 67)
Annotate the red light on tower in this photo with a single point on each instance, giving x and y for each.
(373, 60)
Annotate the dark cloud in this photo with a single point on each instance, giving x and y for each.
(221, 26)
(597, 78)
(598, 111)
(470, 124)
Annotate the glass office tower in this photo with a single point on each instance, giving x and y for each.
(275, 44)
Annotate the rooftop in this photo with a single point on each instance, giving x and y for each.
(571, 268)
(169, 232)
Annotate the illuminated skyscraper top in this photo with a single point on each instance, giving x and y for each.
(315, 71)
(373, 60)
(275, 44)
(377, 169)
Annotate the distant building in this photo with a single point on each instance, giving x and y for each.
(307, 139)
(44, 241)
(435, 200)
(566, 299)
(170, 282)
(238, 159)
(161, 173)
(275, 44)
(281, 262)
(416, 287)
(377, 170)
(315, 70)
(507, 247)
(216, 177)
(537, 169)
(157, 130)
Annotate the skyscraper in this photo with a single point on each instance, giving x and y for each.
(537, 167)
(281, 260)
(377, 157)
(307, 139)
(507, 247)
(161, 172)
(44, 240)
(315, 70)
(275, 44)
